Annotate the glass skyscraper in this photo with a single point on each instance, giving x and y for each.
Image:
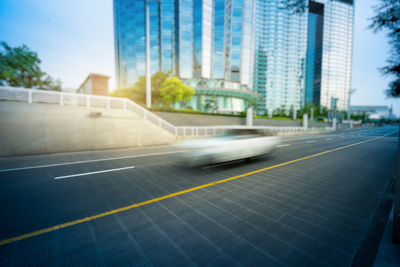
(241, 51)
(306, 58)
(209, 44)
(337, 50)
(314, 53)
(281, 46)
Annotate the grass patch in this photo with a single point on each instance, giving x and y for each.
(190, 111)
(276, 118)
(280, 118)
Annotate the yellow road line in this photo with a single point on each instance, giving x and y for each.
(100, 215)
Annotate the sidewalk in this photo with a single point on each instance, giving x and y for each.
(389, 253)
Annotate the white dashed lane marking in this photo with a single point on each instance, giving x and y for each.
(88, 161)
(90, 173)
(283, 145)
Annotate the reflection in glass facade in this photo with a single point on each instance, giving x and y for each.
(337, 53)
(303, 58)
(280, 49)
(166, 34)
(206, 38)
(314, 53)
(201, 41)
(255, 47)
(154, 10)
(184, 38)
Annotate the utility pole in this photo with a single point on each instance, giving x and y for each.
(348, 104)
(396, 209)
(148, 73)
(249, 116)
(305, 121)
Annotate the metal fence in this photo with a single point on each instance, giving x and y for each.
(218, 130)
(73, 99)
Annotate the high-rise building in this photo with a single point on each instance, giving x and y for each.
(238, 52)
(209, 44)
(281, 45)
(303, 58)
(314, 53)
(337, 53)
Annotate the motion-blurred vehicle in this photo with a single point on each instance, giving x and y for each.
(234, 145)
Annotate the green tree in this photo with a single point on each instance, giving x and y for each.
(133, 93)
(306, 110)
(157, 81)
(173, 90)
(291, 111)
(211, 104)
(364, 117)
(19, 67)
(137, 92)
(321, 111)
(388, 18)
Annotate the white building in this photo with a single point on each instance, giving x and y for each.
(373, 112)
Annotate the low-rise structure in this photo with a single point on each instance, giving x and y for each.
(373, 112)
(95, 84)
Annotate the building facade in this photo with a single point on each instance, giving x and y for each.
(209, 44)
(303, 58)
(94, 84)
(373, 112)
(337, 53)
(241, 52)
(280, 56)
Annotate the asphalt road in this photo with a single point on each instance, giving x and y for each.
(140, 207)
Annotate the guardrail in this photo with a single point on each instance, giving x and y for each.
(74, 99)
(217, 130)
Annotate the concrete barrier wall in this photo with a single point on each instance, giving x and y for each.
(187, 119)
(46, 128)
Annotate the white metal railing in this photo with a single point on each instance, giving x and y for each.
(74, 99)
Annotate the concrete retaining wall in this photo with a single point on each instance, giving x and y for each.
(46, 128)
(187, 119)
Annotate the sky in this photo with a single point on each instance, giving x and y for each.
(75, 37)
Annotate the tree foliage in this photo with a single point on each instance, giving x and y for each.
(157, 81)
(211, 104)
(133, 93)
(19, 67)
(164, 90)
(364, 117)
(173, 90)
(318, 111)
(137, 92)
(388, 18)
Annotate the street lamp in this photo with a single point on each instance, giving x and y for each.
(348, 104)
(148, 74)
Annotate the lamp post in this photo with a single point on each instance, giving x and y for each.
(148, 74)
(396, 208)
(249, 116)
(348, 104)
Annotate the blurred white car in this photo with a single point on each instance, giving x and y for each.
(237, 144)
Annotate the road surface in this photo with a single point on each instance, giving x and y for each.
(310, 203)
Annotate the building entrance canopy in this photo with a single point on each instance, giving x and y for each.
(223, 88)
